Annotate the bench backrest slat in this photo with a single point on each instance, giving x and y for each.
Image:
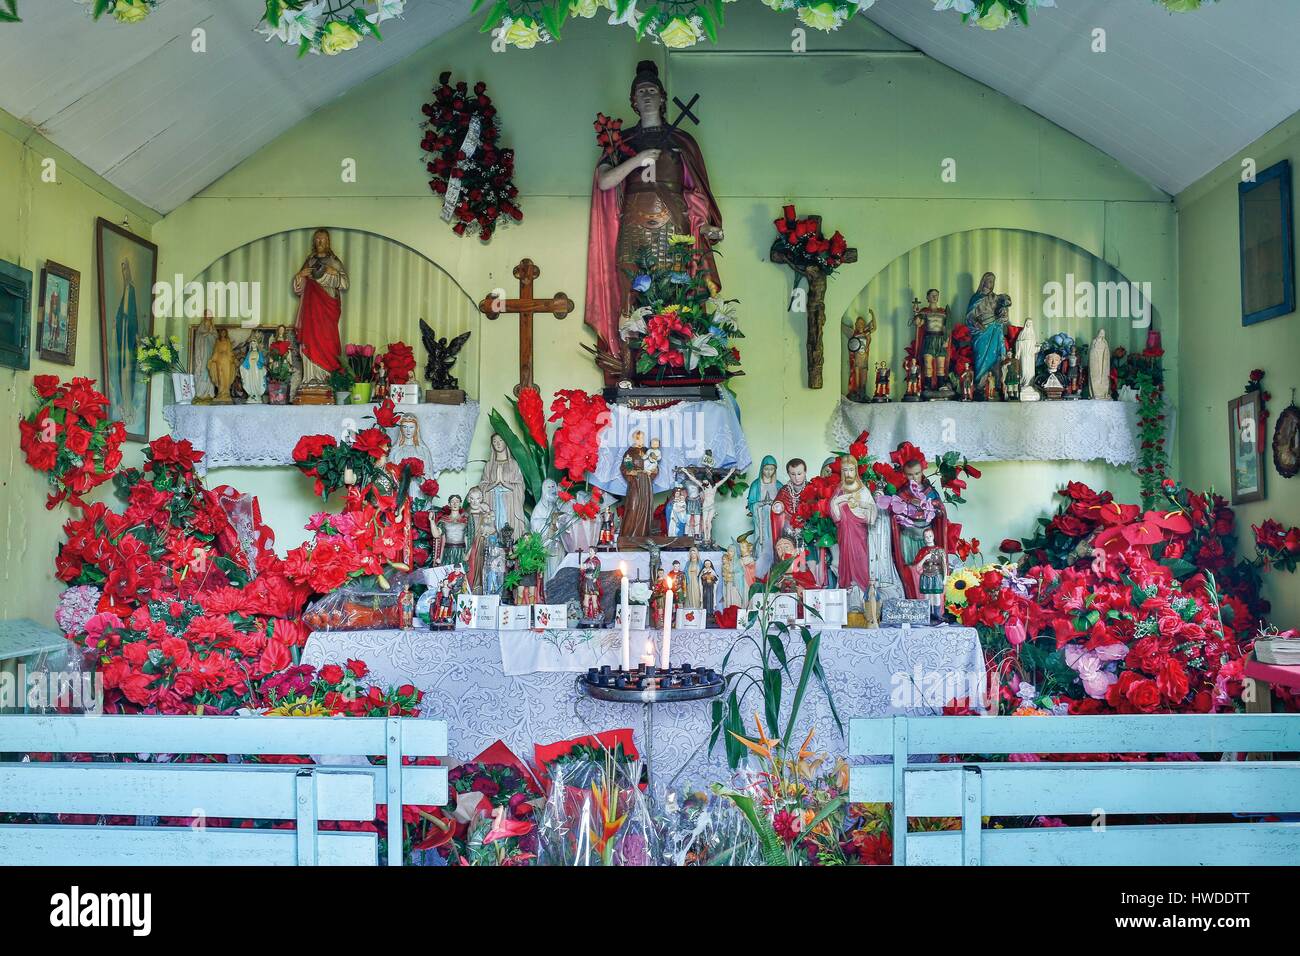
(132, 733)
(1262, 844)
(1061, 789)
(23, 845)
(181, 790)
(1110, 733)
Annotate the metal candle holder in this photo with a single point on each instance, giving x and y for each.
(649, 685)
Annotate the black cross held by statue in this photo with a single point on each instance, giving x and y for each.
(685, 111)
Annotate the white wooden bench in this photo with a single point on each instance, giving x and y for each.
(1101, 790)
(303, 793)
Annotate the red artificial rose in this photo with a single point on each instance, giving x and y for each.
(372, 442)
(331, 674)
(1010, 546)
(429, 487)
(311, 447)
(46, 385)
(386, 414)
(358, 669)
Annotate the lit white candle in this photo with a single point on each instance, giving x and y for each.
(666, 649)
(627, 617)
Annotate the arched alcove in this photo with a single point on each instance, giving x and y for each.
(391, 287)
(1024, 262)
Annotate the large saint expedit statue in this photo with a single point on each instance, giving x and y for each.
(638, 202)
(320, 284)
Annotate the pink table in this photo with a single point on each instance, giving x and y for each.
(1279, 674)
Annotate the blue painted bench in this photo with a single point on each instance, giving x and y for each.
(1098, 790)
(303, 793)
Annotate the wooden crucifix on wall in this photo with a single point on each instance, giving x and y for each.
(815, 277)
(559, 305)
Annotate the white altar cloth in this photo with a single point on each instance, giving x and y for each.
(871, 673)
(1083, 430)
(265, 435)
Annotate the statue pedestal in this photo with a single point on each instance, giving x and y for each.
(636, 395)
(314, 395)
(444, 396)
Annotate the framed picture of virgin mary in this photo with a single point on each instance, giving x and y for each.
(1267, 245)
(128, 268)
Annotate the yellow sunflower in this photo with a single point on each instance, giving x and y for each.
(954, 592)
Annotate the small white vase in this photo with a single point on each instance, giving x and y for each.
(183, 387)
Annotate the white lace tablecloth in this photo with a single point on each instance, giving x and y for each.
(685, 431)
(871, 673)
(265, 435)
(1081, 430)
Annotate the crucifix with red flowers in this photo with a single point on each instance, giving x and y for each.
(800, 245)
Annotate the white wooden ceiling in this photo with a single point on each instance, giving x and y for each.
(161, 122)
(1171, 98)
(1174, 95)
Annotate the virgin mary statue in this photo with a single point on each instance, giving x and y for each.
(657, 187)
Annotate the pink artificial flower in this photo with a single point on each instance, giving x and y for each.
(1089, 664)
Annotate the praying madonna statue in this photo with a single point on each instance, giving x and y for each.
(637, 202)
(409, 446)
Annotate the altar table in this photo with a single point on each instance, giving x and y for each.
(265, 435)
(1083, 430)
(871, 673)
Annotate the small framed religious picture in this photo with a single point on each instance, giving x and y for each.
(56, 314)
(1267, 245)
(1246, 449)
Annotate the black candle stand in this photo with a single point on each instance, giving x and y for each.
(648, 685)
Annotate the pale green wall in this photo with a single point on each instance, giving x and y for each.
(38, 221)
(1218, 352)
(858, 138)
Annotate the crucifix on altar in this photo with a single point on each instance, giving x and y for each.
(559, 305)
(815, 276)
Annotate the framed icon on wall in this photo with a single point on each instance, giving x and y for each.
(56, 315)
(1246, 448)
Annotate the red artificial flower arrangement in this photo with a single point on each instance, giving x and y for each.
(576, 443)
(399, 363)
(70, 439)
(1114, 608)
(467, 164)
(802, 245)
(279, 366)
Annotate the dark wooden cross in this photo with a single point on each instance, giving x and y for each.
(685, 111)
(525, 306)
(816, 279)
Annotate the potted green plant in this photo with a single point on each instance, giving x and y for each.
(341, 382)
(361, 363)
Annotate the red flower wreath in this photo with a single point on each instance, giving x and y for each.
(482, 179)
(70, 439)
